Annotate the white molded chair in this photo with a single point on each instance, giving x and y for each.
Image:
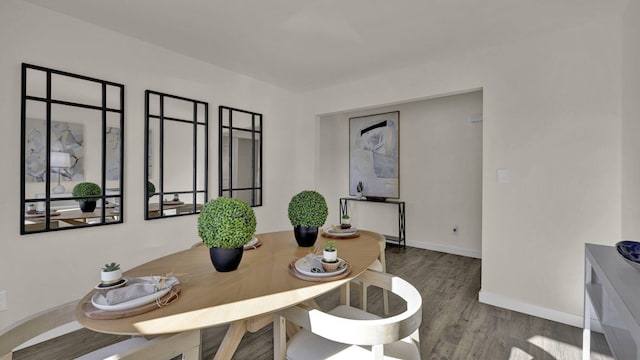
(159, 347)
(351, 333)
(379, 265)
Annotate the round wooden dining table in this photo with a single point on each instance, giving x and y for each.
(245, 298)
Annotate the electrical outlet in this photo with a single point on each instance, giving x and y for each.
(3, 300)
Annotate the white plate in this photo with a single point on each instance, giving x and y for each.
(341, 232)
(100, 302)
(251, 243)
(311, 266)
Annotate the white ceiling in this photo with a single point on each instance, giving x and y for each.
(308, 44)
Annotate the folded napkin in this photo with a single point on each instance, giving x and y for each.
(311, 263)
(139, 287)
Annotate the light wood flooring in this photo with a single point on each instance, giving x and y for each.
(454, 326)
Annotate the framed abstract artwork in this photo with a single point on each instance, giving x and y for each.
(374, 156)
(113, 153)
(66, 137)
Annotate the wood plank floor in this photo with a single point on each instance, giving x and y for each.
(455, 325)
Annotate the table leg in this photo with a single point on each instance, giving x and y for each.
(74, 221)
(586, 314)
(345, 294)
(586, 331)
(256, 323)
(231, 340)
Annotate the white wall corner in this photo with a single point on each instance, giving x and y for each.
(535, 310)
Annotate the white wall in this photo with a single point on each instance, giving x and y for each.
(631, 122)
(552, 109)
(552, 117)
(34, 35)
(440, 173)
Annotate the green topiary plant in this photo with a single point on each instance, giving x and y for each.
(87, 191)
(226, 223)
(150, 188)
(308, 209)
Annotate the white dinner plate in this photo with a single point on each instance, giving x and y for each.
(100, 302)
(252, 243)
(341, 232)
(312, 266)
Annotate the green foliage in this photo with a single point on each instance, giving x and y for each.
(308, 208)
(87, 191)
(226, 223)
(345, 216)
(111, 267)
(330, 245)
(150, 188)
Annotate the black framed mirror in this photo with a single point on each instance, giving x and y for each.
(176, 155)
(240, 155)
(71, 150)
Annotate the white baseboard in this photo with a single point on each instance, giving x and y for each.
(445, 249)
(535, 310)
(508, 303)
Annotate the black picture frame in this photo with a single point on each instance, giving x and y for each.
(237, 125)
(49, 89)
(162, 111)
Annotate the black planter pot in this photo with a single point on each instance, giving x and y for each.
(305, 236)
(225, 260)
(87, 206)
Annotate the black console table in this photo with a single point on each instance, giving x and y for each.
(401, 238)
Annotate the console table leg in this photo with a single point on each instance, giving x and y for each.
(401, 226)
(402, 235)
(343, 209)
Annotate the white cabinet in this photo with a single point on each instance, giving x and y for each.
(612, 289)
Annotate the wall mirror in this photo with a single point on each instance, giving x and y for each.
(176, 160)
(72, 131)
(240, 155)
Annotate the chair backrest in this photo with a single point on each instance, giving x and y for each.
(382, 242)
(163, 346)
(365, 332)
(27, 329)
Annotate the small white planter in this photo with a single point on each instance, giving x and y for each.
(346, 221)
(110, 277)
(330, 256)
